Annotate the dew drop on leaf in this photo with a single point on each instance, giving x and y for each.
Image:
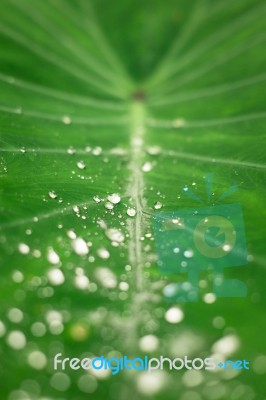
(115, 235)
(66, 120)
(174, 315)
(106, 277)
(2, 329)
(158, 205)
(60, 381)
(108, 205)
(81, 282)
(56, 276)
(96, 151)
(103, 253)
(209, 298)
(71, 234)
(76, 209)
(71, 150)
(81, 165)
(124, 286)
(147, 167)
(37, 360)
(154, 150)
(23, 248)
(38, 329)
(15, 315)
(80, 246)
(96, 199)
(16, 340)
(188, 253)
(226, 345)
(131, 212)
(52, 256)
(17, 276)
(149, 343)
(114, 198)
(52, 194)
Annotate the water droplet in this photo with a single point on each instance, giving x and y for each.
(209, 298)
(79, 331)
(227, 345)
(227, 247)
(37, 359)
(76, 209)
(218, 322)
(71, 234)
(56, 276)
(154, 150)
(115, 235)
(149, 343)
(131, 212)
(2, 329)
(124, 286)
(188, 253)
(80, 246)
(101, 224)
(96, 151)
(96, 199)
(108, 205)
(259, 365)
(81, 165)
(23, 150)
(38, 329)
(114, 198)
(174, 315)
(52, 194)
(103, 253)
(23, 248)
(66, 120)
(71, 150)
(16, 340)
(81, 282)
(106, 277)
(118, 151)
(87, 383)
(60, 381)
(36, 253)
(150, 384)
(53, 257)
(137, 142)
(192, 378)
(15, 315)
(147, 167)
(158, 205)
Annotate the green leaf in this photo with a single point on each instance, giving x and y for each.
(108, 111)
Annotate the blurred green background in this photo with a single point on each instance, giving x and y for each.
(108, 110)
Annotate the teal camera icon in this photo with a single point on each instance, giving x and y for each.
(202, 238)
